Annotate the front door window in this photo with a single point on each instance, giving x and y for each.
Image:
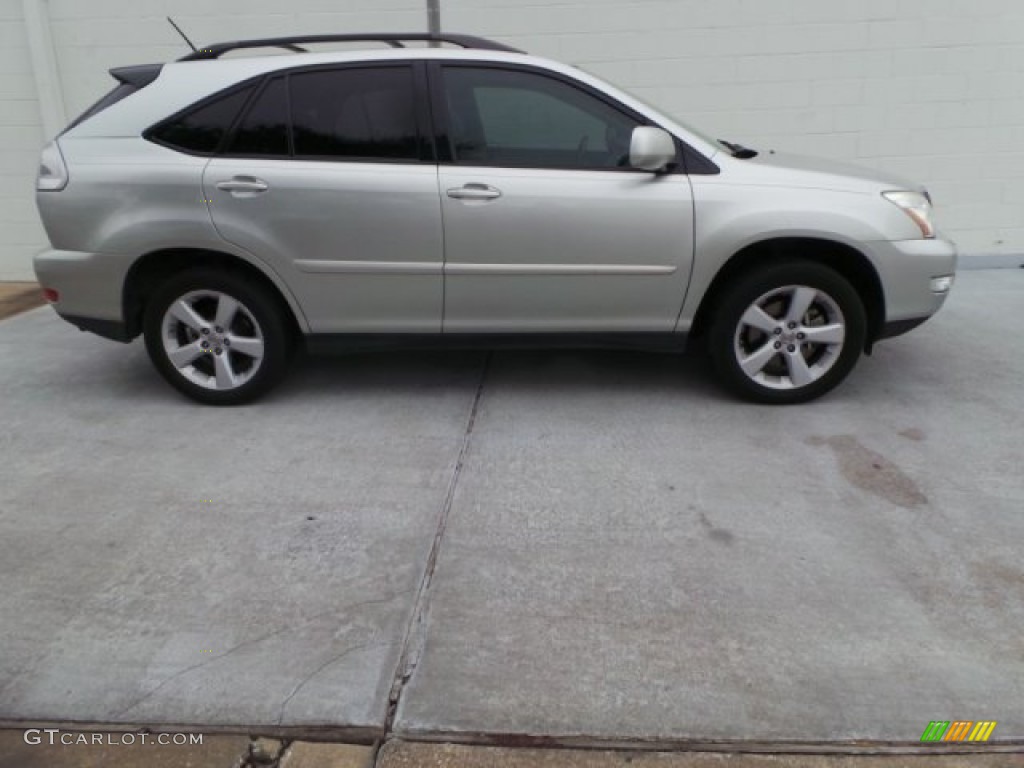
(511, 118)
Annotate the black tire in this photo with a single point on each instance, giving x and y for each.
(780, 382)
(260, 318)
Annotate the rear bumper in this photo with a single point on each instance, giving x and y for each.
(108, 329)
(90, 287)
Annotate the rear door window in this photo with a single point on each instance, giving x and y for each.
(356, 113)
(264, 129)
(201, 129)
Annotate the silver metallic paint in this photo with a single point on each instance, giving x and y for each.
(374, 247)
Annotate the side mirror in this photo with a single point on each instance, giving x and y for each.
(651, 149)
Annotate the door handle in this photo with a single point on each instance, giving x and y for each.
(474, 192)
(244, 184)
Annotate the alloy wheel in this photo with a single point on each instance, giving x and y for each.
(790, 337)
(212, 339)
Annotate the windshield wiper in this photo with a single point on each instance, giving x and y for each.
(738, 150)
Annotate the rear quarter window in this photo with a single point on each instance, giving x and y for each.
(202, 128)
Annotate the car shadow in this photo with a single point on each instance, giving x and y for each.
(541, 372)
(126, 375)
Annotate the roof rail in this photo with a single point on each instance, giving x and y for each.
(217, 50)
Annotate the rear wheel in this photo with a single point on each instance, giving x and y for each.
(787, 333)
(217, 337)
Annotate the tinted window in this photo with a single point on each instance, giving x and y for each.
(202, 128)
(505, 117)
(364, 112)
(264, 129)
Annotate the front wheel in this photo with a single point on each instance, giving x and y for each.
(217, 337)
(787, 333)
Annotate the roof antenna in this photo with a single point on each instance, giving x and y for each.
(184, 36)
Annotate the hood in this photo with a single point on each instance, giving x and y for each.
(827, 174)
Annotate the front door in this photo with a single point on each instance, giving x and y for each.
(340, 198)
(546, 227)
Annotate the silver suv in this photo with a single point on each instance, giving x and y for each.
(232, 208)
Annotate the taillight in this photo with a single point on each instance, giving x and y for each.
(53, 173)
(51, 295)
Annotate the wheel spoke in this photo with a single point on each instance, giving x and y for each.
(825, 334)
(198, 340)
(801, 324)
(226, 309)
(184, 355)
(755, 363)
(183, 312)
(250, 347)
(758, 318)
(226, 378)
(799, 373)
(801, 301)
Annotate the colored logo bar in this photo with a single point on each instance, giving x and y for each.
(958, 730)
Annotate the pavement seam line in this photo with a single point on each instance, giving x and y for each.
(415, 633)
(747, 747)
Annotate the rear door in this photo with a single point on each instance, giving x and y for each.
(328, 177)
(547, 228)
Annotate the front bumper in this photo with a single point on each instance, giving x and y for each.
(907, 269)
(899, 327)
(90, 287)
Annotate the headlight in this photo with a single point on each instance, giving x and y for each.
(53, 173)
(918, 206)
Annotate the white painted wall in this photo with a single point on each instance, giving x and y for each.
(931, 89)
(21, 136)
(91, 36)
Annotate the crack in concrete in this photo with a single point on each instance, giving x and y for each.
(415, 635)
(318, 670)
(253, 641)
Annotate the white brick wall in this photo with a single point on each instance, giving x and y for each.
(20, 138)
(91, 36)
(931, 89)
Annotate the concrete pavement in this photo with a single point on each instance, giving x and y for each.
(630, 556)
(164, 562)
(625, 553)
